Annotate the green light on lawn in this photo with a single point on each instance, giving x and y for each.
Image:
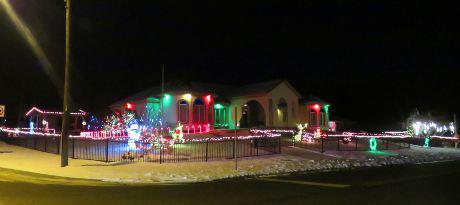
(373, 144)
(427, 142)
(383, 153)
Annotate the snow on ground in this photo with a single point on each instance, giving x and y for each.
(296, 160)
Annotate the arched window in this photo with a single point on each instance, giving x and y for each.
(211, 113)
(220, 116)
(183, 111)
(282, 110)
(312, 118)
(199, 111)
(322, 117)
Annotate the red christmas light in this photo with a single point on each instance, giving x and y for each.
(316, 107)
(129, 106)
(208, 99)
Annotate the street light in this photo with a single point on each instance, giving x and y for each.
(65, 117)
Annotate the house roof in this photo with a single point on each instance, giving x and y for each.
(46, 112)
(218, 91)
(221, 93)
(261, 88)
(312, 98)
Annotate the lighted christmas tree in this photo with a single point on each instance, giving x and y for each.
(117, 122)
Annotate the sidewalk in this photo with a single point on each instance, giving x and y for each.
(292, 160)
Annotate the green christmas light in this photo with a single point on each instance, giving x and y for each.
(326, 108)
(427, 142)
(373, 144)
(167, 97)
(167, 100)
(218, 106)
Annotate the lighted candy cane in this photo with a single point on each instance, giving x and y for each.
(178, 134)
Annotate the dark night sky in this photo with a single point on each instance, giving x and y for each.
(372, 61)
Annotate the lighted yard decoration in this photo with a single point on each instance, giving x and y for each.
(346, 140)
(31, 127)
(373, 144)
(300, 131)
(317, 134)
(423, 128)
(134, 135)
(427, 142)
(177, 134)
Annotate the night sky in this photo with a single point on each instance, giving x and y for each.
(374, 62)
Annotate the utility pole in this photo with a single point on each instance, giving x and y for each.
(65, 117)
(455, 131)
(234, 147)
(162, 93)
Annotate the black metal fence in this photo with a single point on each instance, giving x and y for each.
(349, 144)
(117, 151)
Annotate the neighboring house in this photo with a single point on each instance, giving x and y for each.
(52, 120)
(267, 104)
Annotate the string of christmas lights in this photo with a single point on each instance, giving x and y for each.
(269, 131)
(17, 131)
(81, 112)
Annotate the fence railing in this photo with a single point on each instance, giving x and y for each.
(351, 144)
(123, 151)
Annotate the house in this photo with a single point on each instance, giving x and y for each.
(266, 104)
(50, 121)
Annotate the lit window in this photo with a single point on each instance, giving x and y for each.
(312, 119)
(220, 119)
(322, 118)
(199, 111)
(183, 111)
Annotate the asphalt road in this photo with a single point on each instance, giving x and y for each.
(434, 183)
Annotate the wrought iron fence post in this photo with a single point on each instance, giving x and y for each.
(73, 148)
(322, 145)
(279, 145)
(143, 152)
(46, 142)
(387, 144)
(338, 143)
(35, 142)
(233, 149)
(207, 150)
(107, 150)
(58, 147)
(356, 144)
(161, 152)
(256, 141)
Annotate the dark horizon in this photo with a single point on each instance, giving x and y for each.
(373, 62)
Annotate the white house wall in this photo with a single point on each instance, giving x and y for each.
(292, 100)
